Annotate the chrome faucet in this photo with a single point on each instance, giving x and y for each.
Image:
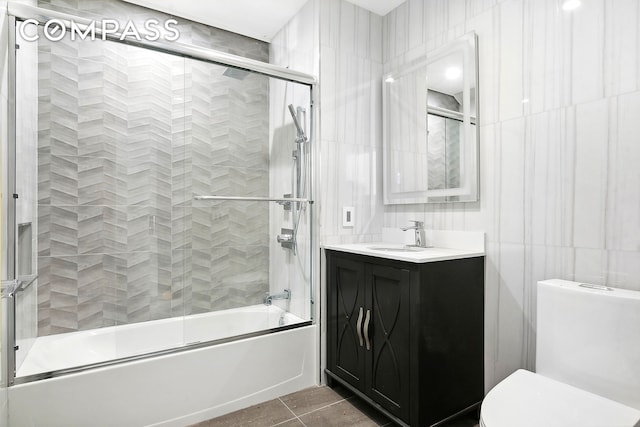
(421, 238)
(286, 294)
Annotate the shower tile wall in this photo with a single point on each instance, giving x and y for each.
(126, 139)
(443, 145)
(293, 47)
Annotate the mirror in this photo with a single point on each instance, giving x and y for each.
(430, 115)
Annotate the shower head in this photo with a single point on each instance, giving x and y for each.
(235, 73)
(301, 134)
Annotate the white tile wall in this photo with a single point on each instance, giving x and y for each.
(511, 89)
(587, 61)
(623, 209)
(621, 70)
(351, 131)
(295, 47)
(559, 176)
(590, 174)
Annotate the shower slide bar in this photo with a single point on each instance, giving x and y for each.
(254, 199)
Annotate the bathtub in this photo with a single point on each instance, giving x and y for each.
(65, 351)
(175, 389)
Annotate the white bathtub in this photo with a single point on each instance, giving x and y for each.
(63, 351)
(176, 389)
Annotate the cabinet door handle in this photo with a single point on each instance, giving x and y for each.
(359, 327)
(366, 329)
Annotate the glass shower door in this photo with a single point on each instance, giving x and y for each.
(164, 203)
(97, 181)
(248, 242)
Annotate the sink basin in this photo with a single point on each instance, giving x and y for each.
(398, 248)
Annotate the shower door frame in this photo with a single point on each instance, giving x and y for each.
(20, 12)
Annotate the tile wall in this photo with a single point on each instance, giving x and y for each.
(351, 67)
(559, 94)
(293, 47)
(126, 138)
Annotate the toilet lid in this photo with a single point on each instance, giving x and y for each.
(525, 399)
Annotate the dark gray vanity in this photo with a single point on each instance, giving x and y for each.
(407, 335)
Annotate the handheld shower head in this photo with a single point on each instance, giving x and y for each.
(301, 134)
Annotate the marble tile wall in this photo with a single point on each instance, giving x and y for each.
(559, 92)
(559, 194)
(126, 138)
(351, 67)
(295, 47)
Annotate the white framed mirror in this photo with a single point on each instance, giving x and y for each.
(430, 131)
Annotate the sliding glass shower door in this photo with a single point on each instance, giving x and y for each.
(153, 188)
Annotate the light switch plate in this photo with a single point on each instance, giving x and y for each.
(347, 216)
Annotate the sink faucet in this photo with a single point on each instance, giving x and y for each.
(418, 227)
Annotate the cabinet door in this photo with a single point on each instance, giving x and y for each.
(345, 315)
(388, 333)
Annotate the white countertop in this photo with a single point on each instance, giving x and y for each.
(397, 252)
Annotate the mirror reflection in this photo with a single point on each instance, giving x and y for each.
(431, 137)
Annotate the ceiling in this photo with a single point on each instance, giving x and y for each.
(437, 73)
(260, 19)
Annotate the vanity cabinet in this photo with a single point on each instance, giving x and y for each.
(407, 337)
(369, 320)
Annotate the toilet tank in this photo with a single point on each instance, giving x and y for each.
(589, 336)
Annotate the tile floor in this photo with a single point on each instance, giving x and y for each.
(313, 407)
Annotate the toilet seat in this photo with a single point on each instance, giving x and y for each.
(525, 399)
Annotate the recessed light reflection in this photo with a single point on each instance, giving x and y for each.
(525, 101)
(571, 4)
(453, 73)
(389, 80)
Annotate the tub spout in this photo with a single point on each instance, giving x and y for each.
(286, 294)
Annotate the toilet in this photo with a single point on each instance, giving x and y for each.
(587, 362)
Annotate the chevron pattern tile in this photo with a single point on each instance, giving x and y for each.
(436, 148)
(126, 138)
(453, 132)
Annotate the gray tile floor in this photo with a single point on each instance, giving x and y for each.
(313, 407)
